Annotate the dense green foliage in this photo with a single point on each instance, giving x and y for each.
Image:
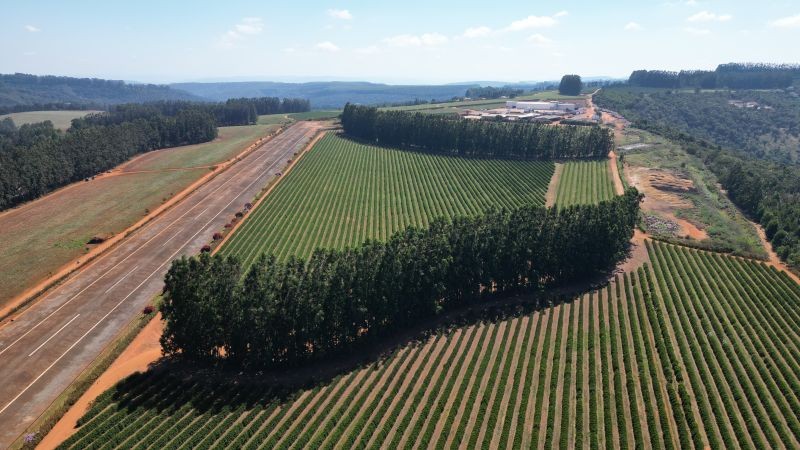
(35, 159)
(584, 183)
(768, 129)
(240, 111)
(767, 191)
(570, 85)
(704, 347)
(440, 134)
(493, 92)
(343, 192)
(733, 76)
(23, 89)
(293, 311)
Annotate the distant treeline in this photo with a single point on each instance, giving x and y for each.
(493, 92)
(237, 111)
(36, 159)
(437, 134)
(286, 313)
(733, 76)
(57, 106)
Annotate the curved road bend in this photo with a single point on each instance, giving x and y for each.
(44, 349)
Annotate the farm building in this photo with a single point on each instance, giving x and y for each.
(541, 106)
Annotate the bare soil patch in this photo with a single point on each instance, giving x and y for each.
(661, 189)
(619, 188)
(552, 188)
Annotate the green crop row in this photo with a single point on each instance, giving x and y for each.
(695, 350)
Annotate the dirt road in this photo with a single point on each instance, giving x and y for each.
(46, 347)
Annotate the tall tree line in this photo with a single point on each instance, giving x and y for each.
(493, 92)
(438, 134)
(286, 313)
(36, 159)
(733, 76)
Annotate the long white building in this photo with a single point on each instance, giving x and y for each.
(541, 106)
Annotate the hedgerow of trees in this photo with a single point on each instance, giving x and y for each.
(733, 75)
(493, 92)
(437, 134)
(36, 159)
(570, 85)
(767, 191)
(285, 313)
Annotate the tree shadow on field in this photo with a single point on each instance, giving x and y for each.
(172, 385)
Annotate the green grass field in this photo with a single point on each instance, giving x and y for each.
(61, 119)
(343, 192)
(694, 350)
(230, 142)
(584, 182)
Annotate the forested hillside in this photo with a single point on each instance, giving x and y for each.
(22, 89)
(766, 190)
(764, 124)
(440, 134)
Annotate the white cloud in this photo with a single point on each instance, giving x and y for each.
(32, 29)
(691, 2)
(539, 40)
(369, 50)
(327, 46)
(633, 26)
(705, 16)
(560, 14)
(410, 40)
(289, 50)
(697, 31)
(248, 26)
(786, 22)
(342, 14)
(532, 22)
(476, 32)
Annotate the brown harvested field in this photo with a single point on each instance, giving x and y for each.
(44, 237)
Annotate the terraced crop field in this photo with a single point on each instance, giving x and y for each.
(694, 350)
(343, 192)
(584, 182)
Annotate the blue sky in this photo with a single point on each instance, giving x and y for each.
(407, 41)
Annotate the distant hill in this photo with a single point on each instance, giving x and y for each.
(332, 94)
(23, 89)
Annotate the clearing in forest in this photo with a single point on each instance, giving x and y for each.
(584, 183)
(343, 192)
(692, 350)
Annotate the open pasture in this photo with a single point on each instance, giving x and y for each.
(693, 350)
(343, 192)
